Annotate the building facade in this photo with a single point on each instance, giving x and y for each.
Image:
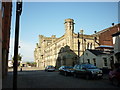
(64, 50)
(105, 36)
(6, 26)
(116, 43)
(0, 46)
(99, 58)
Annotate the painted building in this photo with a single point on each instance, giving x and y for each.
(63, 50)
(10, 63)
(98, 58)
(116, 43)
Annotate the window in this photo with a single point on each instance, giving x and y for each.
(94, 61)
(105, 61)
(87, 54)
(0, 5)
(88, 46)
(2, 12)
(91, 46)
(88, 61)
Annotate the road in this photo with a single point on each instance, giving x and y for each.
(41, 79)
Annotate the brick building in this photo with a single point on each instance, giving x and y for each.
(105, 36)
(6, 26)
(0, 46)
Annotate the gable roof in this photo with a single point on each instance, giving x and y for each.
(96, 52)
(104, 30)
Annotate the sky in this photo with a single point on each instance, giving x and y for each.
(47, 18)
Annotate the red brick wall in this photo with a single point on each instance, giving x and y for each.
(105, 38)
(6, 23)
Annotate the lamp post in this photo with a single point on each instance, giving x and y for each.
(81, 31)
(95, 39)
(78, 48)
(15, 64)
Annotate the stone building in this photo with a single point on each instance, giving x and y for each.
(63, 50)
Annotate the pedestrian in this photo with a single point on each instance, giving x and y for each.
(21, 68)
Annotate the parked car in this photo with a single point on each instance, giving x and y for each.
(87, 70)
(49, 68)
(114, 76)
(66, 70)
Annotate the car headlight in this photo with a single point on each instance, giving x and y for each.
(92, 72)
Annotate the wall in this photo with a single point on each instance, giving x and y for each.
(0, 47)
(6, 24)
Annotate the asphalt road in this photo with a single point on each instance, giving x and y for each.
(42, 79)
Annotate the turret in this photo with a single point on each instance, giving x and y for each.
(69, 25)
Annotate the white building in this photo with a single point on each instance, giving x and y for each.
(116, 43)
(10, 63)
(98, 58)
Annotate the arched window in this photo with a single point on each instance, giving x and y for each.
(88, 46)
(91, 46)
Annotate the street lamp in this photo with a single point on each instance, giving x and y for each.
(78, 48)
(95, 39)
(15, 64)
(81, 31)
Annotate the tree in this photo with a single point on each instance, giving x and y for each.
(33, 64)
(19, 57)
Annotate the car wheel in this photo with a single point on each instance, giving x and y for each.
(87, 77)
(59, 72)
(75, 75)
(115, 82)
(65, 73)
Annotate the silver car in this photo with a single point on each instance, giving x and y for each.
(49, 68)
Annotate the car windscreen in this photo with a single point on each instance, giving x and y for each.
(68, 67)
(50, 67)
(89, 66)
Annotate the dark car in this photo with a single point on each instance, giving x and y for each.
(114, 76)
(66, 70)
(87, 70)
(49, 68)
